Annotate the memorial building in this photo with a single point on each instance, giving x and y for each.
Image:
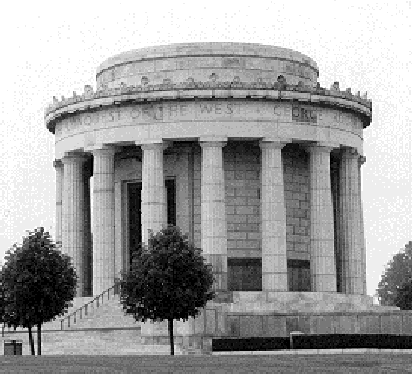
(239, 146)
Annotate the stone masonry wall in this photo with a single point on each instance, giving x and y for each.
(296, 180)
(242, 165)
(242, 175)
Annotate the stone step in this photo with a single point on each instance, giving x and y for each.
(92, 342)
(108, 315)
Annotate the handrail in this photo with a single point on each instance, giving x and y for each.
(114, 288)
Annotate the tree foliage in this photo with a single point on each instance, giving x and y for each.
(38, 283)
(395, 287)
(168, 280)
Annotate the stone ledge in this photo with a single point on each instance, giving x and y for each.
(221, 89)
(316, 352)
(188, 90)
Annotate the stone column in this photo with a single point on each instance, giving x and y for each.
(87, 228)
(73, 201)
(213, 211)
(361, 161)
(153, 200)
(153, 208)
(349, 222)
(323, 270)
(103, 219)
(274, 257)
(59, 191)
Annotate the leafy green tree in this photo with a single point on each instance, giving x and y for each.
(168, 280)
(404, 298)
(395, 287)
(38, 283)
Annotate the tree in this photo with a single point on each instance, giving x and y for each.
(395, 287)
(37, 283)
(168, 280)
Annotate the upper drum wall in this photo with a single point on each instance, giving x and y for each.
(207, 61)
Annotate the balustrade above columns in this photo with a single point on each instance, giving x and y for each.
(213, 209)
(73, 205)
(323, 270)
(274, 256)
(350, 244)
(153, 196)
(104, 272)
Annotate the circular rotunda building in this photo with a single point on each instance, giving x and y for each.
(239, 146)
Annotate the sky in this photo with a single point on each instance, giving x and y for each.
(54, 48)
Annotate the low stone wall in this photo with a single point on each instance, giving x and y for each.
(274, 325)
(195, 336)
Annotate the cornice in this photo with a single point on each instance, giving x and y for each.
(213, 89)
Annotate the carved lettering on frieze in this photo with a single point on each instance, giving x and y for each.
(217, 108)
(206, 110)
(304, 114)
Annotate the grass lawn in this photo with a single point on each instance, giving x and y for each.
(349, 363)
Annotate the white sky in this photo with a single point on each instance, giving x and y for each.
(54, 48)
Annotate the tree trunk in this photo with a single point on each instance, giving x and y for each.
(171, 332)
(39, 339)
(31, 341)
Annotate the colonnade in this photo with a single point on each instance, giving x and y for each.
(73, 214)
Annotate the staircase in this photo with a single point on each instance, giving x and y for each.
(93, 326)
(108, 315)
(104, 311)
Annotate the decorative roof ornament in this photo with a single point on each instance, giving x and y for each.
(88, 91)
(335, 86)
(281, 82)
(213, 77)
(300, 86)
(212, 83)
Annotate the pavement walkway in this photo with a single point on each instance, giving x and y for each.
(316, 352)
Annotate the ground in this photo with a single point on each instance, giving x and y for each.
(349, 363)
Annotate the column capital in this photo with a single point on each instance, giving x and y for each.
(101, 149)
(270, 143)
(212, 144)
(73, 156)
(153, 145)
(212, 138)
(57, 163)
(322, 147)
(362, 159)
(350, 152)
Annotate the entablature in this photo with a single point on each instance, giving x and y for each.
(277, 91)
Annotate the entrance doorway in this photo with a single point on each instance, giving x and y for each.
(134, 213)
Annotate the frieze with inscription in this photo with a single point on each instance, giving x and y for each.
(204, 111)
